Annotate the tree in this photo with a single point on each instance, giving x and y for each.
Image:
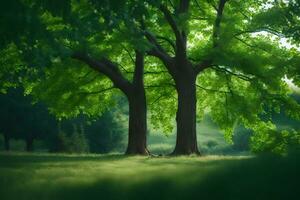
(184, 73)
(8, 120)
(135, 93)
(21, 119)
(62, 25)
(236, 55)
(223, 52)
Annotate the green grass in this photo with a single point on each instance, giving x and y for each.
(55, 177)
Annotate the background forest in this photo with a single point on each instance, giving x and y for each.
(108, 133)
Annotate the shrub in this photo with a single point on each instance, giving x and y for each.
(279, 142)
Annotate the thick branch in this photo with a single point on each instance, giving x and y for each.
(202, 66)
(180, 36)
(163, 57)
(157, 50)
(105, 67)
(171, 21)
(152, 39)
(216, 31)
(168, 41)
(216, 34)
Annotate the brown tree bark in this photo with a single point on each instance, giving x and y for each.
(135, 93)
(186, 140)
(183, 72)
(137, 134)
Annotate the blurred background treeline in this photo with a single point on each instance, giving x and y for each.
(29, 126)
(25, 125)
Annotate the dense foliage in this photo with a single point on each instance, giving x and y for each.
(233, 47)
(22, 119)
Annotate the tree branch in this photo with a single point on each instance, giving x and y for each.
(158, 52)
(91, 80)
(172, 4)
(261, 29)
(164, 95)
(202, 66)
(105, 67)
(152, 39)
(216, 29)
(97, 92)
(124, 69)
(128, 52)
(168, 41)
(180, 39)
(240, 76)
(197, 4)
(250, 45)
(216, 34)
(171, 21)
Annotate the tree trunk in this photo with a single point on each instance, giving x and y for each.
(29, 144)
(137, 136)
(135, 93)
(6, 142)
(186, 141)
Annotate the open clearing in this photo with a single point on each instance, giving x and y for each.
(46, 176)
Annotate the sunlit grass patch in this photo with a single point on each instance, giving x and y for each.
(46, 176)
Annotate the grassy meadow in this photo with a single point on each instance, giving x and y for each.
(58, 176)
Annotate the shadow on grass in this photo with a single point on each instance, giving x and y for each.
(263, 177)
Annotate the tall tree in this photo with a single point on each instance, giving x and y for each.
(98, 46)
(135, 93)
(230, 46)
(20, 119)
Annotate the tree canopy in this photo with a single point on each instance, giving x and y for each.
(224, 56)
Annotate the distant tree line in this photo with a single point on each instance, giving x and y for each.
(22, 119)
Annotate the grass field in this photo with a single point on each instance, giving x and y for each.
(55, 177)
